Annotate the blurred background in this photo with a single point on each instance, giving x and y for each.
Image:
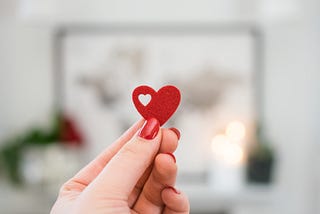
(248, 71)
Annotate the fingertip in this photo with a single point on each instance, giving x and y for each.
(176, 131)
(165, 166)
(175, 190)
(169, 141)
(175, 200)
(172, 155)
(150, 129)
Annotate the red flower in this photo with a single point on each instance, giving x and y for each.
(69, 133)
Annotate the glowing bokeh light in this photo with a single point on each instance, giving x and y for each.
(232, 153)
(218, 143)
(235, 131)
(226, 151)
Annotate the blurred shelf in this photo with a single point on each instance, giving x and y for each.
(16, 200)
(204, 200)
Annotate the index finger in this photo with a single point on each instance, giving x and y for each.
(86, 175)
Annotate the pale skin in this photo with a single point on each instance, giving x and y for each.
(133, 175)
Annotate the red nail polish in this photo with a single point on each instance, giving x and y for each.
(172, 155)
(174, 190)
(176, 131)
(150, 129)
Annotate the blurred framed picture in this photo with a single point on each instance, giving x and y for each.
(216, 68)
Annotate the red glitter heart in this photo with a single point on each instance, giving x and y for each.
(162, 105)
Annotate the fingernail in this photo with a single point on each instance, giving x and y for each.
(176, 131)
(150, 129)
(174, 189)
(172, 155)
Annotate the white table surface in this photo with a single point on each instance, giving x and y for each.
(202, 199)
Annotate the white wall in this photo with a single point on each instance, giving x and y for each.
(292, 63)
(292, 98)
(289, 113)
(25, 72)
(26, 83)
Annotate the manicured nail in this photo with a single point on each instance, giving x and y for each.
(174, 189)
(176, 131)
(172, 155)
(150, 129)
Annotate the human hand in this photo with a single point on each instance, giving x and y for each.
(136, 174)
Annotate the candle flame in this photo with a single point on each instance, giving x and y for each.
(235, 131)
(226, 151)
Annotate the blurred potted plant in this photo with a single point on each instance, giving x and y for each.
(62, 130)
(260, 161)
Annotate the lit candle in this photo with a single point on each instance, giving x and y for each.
(227, 159)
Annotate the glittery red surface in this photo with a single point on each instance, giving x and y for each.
(162, 105)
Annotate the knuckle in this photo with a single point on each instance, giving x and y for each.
(128, 151)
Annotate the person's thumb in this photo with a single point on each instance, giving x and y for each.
(123, 171)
